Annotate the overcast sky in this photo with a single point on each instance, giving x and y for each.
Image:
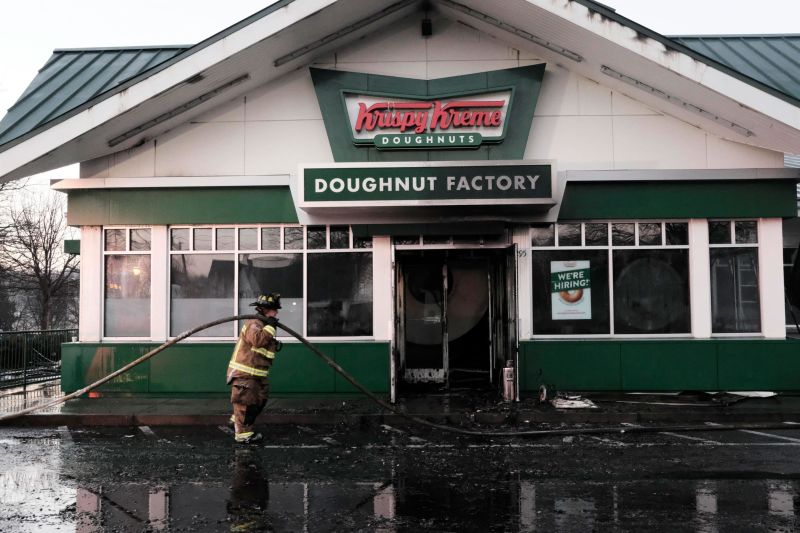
(31, 29)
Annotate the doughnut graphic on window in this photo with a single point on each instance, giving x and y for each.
(571, 296)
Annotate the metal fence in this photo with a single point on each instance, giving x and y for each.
(31, 356)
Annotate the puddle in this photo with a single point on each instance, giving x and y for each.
(250, 501)
(98, 480)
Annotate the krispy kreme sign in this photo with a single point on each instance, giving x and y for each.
(406, 124)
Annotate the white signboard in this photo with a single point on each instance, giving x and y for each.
(570, 290)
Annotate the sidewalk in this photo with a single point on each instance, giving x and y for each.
(460, 407)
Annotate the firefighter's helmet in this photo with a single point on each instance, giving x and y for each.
(268, 301)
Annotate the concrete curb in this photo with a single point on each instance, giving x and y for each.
(520, 418)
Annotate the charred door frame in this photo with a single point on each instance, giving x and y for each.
(501, 280)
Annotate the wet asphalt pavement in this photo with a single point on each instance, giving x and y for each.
(391, 479)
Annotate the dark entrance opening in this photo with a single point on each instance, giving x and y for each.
(454, 318)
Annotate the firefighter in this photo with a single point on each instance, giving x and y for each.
(249, 366)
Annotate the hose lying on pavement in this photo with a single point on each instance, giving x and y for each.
(421, 421)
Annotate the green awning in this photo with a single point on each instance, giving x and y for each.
(585, 200)
(201, 205)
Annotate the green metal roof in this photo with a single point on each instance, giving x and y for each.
(748, 75)
(773, 60)
(73, 77)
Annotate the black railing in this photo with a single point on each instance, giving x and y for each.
(31, 356)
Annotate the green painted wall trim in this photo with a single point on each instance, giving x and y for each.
(199, 368)
(660, 365)
(460, 228)
(203, 205)
(72, 246)
(329, 84)
(678, 199)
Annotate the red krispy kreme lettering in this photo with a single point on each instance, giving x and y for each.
(420, 117)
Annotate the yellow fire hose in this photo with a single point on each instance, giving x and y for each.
(421, 421)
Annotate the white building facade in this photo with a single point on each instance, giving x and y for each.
(437, 192)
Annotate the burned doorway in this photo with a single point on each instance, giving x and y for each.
(454, 316)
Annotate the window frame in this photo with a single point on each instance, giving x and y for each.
(610, 254)
(237, 252)
(790, 327)
(127, 251)
(734, 244)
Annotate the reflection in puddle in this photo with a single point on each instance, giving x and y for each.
(249, 500)
(253, 503)
(781, 499)
(705, 498)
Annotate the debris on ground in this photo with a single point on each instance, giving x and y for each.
(572, 402)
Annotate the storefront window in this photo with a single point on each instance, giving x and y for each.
(339, 294)
(792, 312)
(293, 238)
(207, 284)
(248, 239)
(179, 239)
(651, 291)
(647, 277)
(225, 238)
(280, 273)
(568, 310)
(202, 239)
(650, 234)
(719, 232)
(316, 238)
(677, 233)
(340, 237)
(270, 238)
(735, 304)
(201, 291)
(115, 240)
(623, 234)
(126, 311)
(543, 235)
(569, 234)
(140, 240)
(596, 234)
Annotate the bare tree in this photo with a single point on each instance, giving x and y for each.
(33, 263)
(9, 313)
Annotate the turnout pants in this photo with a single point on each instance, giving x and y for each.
(248, 397)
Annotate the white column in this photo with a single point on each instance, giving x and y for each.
(382, 304)
(87, 510)
(527, 506)
(770, 277)
(159, 283)
(522, 238)
(91, 290)
(384, 507)
(705, 505)
(158, 508)
(699, 278)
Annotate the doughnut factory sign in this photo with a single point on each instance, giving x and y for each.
(427, 183)
(408, 124)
